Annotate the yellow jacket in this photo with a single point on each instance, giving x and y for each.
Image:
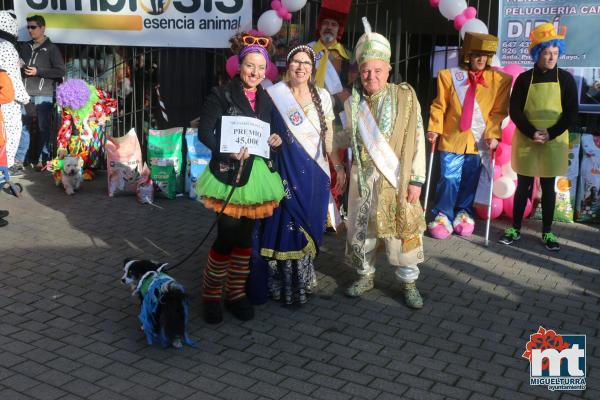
(444, 117)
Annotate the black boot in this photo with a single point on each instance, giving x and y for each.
(241, 309)
(213, 312)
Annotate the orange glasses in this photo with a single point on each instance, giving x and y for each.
(261, 41)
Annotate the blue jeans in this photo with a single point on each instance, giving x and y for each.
(459, 176)
(41, 152)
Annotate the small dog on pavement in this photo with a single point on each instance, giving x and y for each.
(164, 302)
(71, 174)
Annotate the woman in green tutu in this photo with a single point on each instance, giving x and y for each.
(258, 187)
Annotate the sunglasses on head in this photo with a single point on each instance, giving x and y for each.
(261, 41)
(32, 27)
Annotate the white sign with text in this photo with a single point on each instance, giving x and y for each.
(158, 23)
(238, 132)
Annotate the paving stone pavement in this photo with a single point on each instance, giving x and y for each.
(68, 328)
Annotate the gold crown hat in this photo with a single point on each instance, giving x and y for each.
(545, 33)
(372, 46)
(478, 43)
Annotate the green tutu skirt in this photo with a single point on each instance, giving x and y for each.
(256, 199)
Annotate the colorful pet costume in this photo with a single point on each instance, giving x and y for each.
(87, 109)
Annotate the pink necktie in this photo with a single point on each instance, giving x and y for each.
(466, 117)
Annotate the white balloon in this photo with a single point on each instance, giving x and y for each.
(269, 23)
(505, 121)
(451, 8)
(293, 5)
(509, 172)
(473, 25)
(504, 187)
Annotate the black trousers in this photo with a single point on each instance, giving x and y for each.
(524, 190)
(233, 232)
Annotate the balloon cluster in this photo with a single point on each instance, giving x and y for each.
(232, 65)
(463, 16)
(270, 21)
(505, 178)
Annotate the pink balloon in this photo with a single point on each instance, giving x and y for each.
(232, 66)
(536, 188)
(508, 132)
(470, 12)
(276, 4)
(497, 206)
(503, 153)
(434, 3)
(509, 203)
(272, 73)
(513, 70)
(459, 21)
(497, 171)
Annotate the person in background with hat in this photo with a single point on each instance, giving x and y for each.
(333, 70)
(385, 132)
(466, 115)
(543, 104)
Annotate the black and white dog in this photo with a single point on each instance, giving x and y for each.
(164, 302)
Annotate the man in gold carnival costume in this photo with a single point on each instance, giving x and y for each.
(385, 131)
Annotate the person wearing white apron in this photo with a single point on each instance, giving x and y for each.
(471, 102)
(543, 105)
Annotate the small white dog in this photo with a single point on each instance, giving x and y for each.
(71, 174)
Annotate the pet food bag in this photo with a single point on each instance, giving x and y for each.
(565, 186)
(588, 193)
(198, 157)
(124, 163)
(165, 158)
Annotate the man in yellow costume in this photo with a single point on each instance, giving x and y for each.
(466, 115)
(543, 104)
(333, 59)
(385, 132)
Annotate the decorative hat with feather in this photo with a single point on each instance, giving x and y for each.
(372, 46)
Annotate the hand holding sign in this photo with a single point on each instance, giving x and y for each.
(274, 140)
(239, 133)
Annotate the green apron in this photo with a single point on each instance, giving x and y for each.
(543, 109)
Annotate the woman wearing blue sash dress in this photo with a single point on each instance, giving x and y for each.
(289, 240)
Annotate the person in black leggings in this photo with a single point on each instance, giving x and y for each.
(244, 186)
(543, 104)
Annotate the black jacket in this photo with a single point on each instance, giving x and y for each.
(569, 100)
(50, 67)
(226, 100)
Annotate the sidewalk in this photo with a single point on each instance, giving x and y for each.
(69, 330)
